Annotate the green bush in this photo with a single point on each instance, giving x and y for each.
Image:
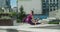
(12, 13)
(1, 10)
(53, 22)
(21, 14)
(18, 21)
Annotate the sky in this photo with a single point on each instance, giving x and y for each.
(13, 3)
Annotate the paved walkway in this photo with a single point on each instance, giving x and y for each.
(32, 28)
(41, 28)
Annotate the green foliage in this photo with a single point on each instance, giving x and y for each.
(13, 13)
(21, 15)
(52, 22)
(18, 21)
(1, 10)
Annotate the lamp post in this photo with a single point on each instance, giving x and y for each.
(17, 6)
(17, 9)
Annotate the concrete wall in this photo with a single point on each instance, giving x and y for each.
(31, 5)
(6, 22)
(58, 12)
(53, 13)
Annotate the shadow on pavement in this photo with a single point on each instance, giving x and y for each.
(48, 27)
(12, 30)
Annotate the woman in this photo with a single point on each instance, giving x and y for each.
(30, 19)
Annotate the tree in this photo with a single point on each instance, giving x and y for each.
(21, 15)
(1, 10)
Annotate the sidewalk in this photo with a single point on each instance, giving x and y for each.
(32, 28)
(40, 28)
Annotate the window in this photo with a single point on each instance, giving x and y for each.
(50, 0)
(51, 4)
(54, 9)
(43, 0)
(44, 3)
(47, 0)
(57, 0)
(56, 4)
(47, 4)
(44, 11)
(44, 6)
(7, 2)
(53, 0)
(47, 9)
(50, 9)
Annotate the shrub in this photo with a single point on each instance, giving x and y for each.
(21, 14)
(53, 22)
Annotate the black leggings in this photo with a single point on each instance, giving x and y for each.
(33, 23)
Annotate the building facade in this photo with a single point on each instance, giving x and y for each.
(28, 5)
(49, 6)
(5, 4)
(45, 7)
(57, 13)
(14, 9)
